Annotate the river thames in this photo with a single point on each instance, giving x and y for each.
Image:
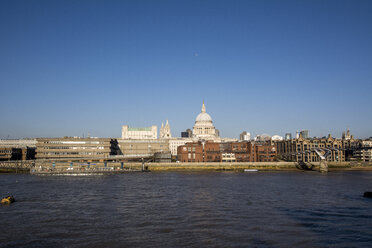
(188, 209)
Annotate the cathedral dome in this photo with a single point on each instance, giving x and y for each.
(203, 117)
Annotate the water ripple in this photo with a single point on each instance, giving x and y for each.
(274, 209)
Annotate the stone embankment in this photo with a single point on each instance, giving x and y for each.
(269, 166)
(44, 166)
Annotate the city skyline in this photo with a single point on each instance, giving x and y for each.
(69, 68)
(294, 134)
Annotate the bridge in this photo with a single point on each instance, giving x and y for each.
(323, 154)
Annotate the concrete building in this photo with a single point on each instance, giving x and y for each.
(276, 138)
(364, 151)
(8, 153)
(245, 136)
(262, 137)
(305, 134)
(186, 134)
(142, 147)
(288, 136)
(17, 149)
(139, 133)
(18, 143)
(75, 148)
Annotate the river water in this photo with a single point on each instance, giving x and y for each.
(176, 209)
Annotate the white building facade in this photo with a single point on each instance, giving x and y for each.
(165, 131)
(139, 133)
(204, 128)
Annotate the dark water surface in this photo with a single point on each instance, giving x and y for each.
(264, 209)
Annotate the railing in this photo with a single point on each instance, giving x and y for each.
(48, 167)
(21, 164)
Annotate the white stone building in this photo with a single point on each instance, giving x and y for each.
(204, 128)
(139, 133)
(18, 143)
(245, 136)
(174, 143)
(165, 131)
(277, 138)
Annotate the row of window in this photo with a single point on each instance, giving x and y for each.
(73, 153)
(73, 147)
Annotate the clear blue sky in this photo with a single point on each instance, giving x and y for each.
(72, 67)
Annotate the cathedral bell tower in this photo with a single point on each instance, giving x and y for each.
(165, 131)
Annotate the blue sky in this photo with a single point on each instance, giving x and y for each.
(69, 68)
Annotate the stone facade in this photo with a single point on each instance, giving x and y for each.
(17, 149)
(18, 143)
(245, 136)
(204, 128)
(364, 151)
(139, 133)
(142, 147)
(174, 143)
(301, 149)
(165, 131)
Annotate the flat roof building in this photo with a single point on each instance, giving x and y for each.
(139, 133)
(143, 147)
(69, 148)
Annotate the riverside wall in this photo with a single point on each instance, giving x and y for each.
(222, 166)
(269, 166)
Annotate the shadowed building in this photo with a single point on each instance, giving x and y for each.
(17, 149)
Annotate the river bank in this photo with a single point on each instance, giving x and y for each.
(263, 166)
(240, 166)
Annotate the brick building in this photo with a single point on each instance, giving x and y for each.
(263, 152)
(190, 152)
(244, 151)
